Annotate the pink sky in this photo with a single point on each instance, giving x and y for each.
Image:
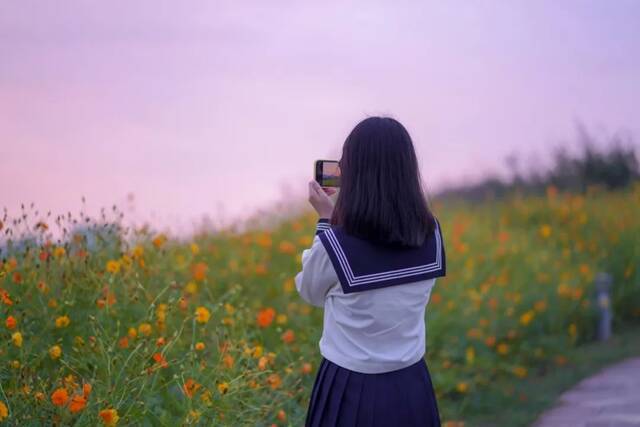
(199, 106)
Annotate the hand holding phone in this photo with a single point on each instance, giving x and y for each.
(320, 200)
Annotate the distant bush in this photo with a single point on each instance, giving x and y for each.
(613, 167)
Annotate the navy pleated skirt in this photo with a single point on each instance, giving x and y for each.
(342, 397)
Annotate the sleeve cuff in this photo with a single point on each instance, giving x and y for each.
(322, 225)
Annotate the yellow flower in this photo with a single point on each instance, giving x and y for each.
(289, 285)
(223, 388)
(191, 288)
(59, 251)
(144, 329)
(257, 351)
(520, 371)
(573, 330)
(195, 249)
(138, 251)
(17, 339)
(132, 333)
(526, 317)
(113, 266)
(202, 314)
(62, 321)
(462, 387)
(229, 308)
(200, 346)
(194, 415)
(126, 260)
(55, 352)
(545, 230)
(503, 348)
(470, 354)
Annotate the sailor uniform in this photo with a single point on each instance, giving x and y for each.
(372, 370)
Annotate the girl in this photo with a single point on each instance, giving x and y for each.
(372, 266)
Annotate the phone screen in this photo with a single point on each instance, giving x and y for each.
(328, 173)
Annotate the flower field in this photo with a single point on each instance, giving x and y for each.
(138, 328)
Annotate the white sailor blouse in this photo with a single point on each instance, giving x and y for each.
(371, 323)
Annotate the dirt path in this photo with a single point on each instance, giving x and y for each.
(610, 398)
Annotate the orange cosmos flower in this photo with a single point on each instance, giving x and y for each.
(199, 271)
(490, 341)
(264, 240)
(228, 360)
(560, 360)
(436, 298)
(11, 322)
(190, 387)
(42, 286)
(59, 397)
(77, 403)
(4, 297)
(265, 317)
(4, 411)
(160, 360)
(159, 240)
(86, 390)
(263, 363)
(288, 336)
(261, 269)
(274, 381)
(287, 247)
(109, 417)
(17, 277)
(224, 346)
(123, 342)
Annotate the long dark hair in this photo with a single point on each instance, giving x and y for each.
(381, 198)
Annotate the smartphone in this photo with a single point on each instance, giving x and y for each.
(327, 173)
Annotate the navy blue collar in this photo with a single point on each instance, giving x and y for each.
(362, 265)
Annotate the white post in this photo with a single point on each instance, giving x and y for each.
(603, 287)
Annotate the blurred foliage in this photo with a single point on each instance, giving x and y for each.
(613, 166)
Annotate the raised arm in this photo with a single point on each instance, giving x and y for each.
(317, 274)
